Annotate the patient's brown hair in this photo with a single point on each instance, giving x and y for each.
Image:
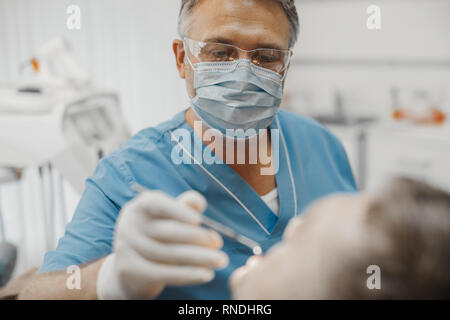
(413, 220)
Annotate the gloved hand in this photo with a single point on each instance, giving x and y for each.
(159, 242)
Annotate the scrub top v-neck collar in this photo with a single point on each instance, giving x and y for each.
(266, 224)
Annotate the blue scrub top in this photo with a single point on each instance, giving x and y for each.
(319, 167)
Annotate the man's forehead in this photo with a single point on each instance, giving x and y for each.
(253, 23)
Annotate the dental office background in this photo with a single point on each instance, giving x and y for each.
(384, 92)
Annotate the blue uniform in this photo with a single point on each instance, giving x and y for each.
(312, 164)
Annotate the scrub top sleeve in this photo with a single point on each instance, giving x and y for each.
(89, 236)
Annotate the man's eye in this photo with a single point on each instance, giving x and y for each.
(266, 58)
(220, 54)
(217, 54)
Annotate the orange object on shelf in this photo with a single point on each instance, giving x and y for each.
(399, 114)
(35, 65)
(438, 116)
(430, 116)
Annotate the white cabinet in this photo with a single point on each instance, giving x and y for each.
(391, 153)
(350, 139)
(380, 152)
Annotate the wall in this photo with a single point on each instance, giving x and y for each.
(127, 45)
(336, 51)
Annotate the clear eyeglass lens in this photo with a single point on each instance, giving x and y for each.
(272, 59)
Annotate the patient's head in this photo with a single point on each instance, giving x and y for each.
(404, 230)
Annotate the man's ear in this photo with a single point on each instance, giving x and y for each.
(178, 50)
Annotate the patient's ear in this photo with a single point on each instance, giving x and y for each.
(179, 52)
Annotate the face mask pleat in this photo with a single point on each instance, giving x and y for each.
(232, 98)
(246, 116)
(237, 78)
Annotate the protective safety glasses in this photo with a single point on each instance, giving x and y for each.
(272, 59)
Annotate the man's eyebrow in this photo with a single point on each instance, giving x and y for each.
(266, 45)
(220, 40)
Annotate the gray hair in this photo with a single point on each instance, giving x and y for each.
(288, 6)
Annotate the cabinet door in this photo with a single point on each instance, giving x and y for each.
(348, 136)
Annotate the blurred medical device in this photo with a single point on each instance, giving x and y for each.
(8, 251)
(54, 118)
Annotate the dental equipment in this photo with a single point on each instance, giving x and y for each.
(53, 64)
(8, 254)
(55, 120)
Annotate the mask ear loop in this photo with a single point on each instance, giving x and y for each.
(284, 75)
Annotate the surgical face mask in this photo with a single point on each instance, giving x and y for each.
(236, 95)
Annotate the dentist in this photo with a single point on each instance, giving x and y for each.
(234, 56)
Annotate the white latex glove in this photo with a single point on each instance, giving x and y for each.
(159, 242)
